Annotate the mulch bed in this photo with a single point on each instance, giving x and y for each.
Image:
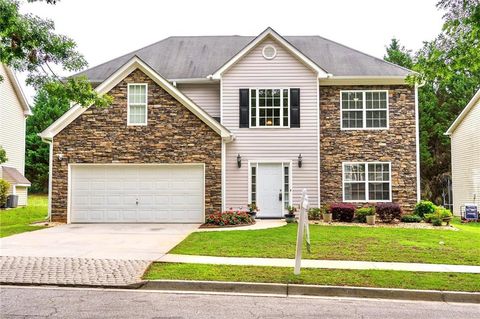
(225, 226)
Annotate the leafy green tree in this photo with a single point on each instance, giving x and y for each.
(47, 108)
(29, 44)
(398, 54)
(3, 155)
(449, 67)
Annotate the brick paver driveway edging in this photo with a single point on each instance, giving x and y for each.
(72, 271)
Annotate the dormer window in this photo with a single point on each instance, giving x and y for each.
(137, 104)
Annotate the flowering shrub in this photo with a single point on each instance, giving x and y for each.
(342, 212)
(387, 212)
(229, 218)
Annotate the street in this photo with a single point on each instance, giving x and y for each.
(41, 302)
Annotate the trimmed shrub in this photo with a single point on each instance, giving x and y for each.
(387, 212)
(440, 213)
(424, 207)
(362, 213)
(228, 218)
(411, 219)
(4, 186)
(314, 213)
(342, 212)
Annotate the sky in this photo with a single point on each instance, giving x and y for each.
(105, 29)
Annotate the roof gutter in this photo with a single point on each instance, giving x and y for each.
(49, 141)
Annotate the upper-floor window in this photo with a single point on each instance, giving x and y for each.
(137, 104)
(269, 107)
(364, 109)
(366, 182)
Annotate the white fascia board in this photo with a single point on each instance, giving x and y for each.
(464, 113)
(270, 32)
(119, 75)
(18, 91)
(364, 80)
(195, 81)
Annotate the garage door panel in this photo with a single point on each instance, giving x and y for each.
(109, 193)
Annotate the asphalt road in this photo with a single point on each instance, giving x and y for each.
(38, 302)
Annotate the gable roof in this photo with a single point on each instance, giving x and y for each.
(13, 176)
(131, 65)
(18, 90)
(269, 32)
(197, 57)
(474, 101)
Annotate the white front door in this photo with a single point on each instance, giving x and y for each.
(270, 190)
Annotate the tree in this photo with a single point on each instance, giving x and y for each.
(3, 155)
(396, 53)
(449, 67)
(47, 109)
(29, 43)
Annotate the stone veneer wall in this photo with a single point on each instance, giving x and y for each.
(173, 135)
(396, 145)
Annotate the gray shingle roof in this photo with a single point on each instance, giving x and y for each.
(200, 56)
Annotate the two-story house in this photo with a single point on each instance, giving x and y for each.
(14, 110)
(203, 124)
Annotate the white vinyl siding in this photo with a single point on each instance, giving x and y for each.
(12, 124)
(207, 96)
(271, 144)
(364, 109)
(367, 182)
(137, 104)
(22, 193)
(466, 160)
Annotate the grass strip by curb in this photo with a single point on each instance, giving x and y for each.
(333, 277)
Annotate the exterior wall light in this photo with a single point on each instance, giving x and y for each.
(60, 157)
(300, 158)
(239, 161)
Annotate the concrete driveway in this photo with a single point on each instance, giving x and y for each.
(101, 241)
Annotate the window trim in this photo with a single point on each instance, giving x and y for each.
(146, 105)
(257, 109)
(364, 112)
(366, 182)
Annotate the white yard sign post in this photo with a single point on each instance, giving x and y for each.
(302, 226)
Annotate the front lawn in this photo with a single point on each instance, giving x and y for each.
(344, 243)
(331, 277)
(18, 220)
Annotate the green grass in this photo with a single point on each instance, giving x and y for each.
(18, 220)
(344, 243)
(331, 277)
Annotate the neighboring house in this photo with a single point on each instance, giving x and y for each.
(14, 110)
(465, 143)
(203, 124)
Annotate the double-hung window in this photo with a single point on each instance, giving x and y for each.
(363, 182)
(269, 108)
(137, 104)
(364, 109)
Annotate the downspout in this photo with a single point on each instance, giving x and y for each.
(49, 141)
(417, 143)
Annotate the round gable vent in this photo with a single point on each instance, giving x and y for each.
(269, 52)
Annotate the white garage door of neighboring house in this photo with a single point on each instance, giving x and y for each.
(136, 193)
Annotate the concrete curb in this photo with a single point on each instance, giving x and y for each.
(312, 290)
(136, 285)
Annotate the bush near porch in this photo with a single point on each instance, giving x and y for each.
(344, 243)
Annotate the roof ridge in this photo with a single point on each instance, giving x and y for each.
(366, 54)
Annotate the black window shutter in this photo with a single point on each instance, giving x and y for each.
(244, 107)
(294, 107)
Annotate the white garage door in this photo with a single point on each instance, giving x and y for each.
(136, 193)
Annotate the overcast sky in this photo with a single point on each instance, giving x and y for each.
(105, 29)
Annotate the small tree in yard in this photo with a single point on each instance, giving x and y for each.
(3, 155)
(4, 186)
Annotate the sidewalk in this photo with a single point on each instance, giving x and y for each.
(327, 264)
